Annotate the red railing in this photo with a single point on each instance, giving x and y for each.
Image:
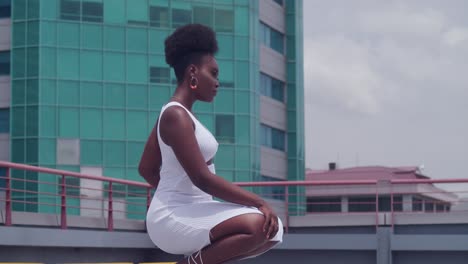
(9, 190)
(296, 198)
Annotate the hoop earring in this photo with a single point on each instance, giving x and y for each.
(193, 82)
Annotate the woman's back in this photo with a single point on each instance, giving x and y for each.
(175, 187)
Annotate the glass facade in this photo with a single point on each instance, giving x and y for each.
(89, 78)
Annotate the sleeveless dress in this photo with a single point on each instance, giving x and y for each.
(181, 215)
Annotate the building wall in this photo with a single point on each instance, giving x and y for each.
(89, 79)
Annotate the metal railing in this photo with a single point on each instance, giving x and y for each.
(298, 203)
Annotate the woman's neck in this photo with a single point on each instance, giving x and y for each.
(184, 97)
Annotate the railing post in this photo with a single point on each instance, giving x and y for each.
(148, 198)
(377, 205)
(63, 205)
(286, 202)
(110, 218)
(8, 199)
(392, 211)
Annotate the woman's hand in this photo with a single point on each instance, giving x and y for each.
(271, 221)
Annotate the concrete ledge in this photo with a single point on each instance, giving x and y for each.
(49, 237)
(354, 219)
(429, 243)
(328, 241)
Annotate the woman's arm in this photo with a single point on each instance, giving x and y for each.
(150, 162)
(178, 132)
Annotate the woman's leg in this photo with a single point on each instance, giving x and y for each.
(233, 238)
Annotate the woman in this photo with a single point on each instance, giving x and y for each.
(178, 159)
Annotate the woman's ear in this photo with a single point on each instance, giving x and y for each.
(193, 69)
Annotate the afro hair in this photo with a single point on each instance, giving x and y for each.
(187, 45)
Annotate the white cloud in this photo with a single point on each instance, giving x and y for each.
(401, 19)
(338, 70)
(455, 36)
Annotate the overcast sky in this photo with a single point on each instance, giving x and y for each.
(386, 83)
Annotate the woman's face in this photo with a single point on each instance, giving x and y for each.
(207, 76)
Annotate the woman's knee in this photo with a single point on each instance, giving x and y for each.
(246, 224)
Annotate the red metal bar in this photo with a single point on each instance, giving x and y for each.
(8, 199)
(392, 205)
(376, 206)
(403, 181)
(110, 219)
(63, 205)
(148, 198)
(70, 173)
(286, 201)
(306, 183)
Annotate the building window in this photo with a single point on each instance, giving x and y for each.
(224, 20)
(5, 8)
(429, 206)
(72, 187)
(417, 204)
(361, 204)
(87, 11)
(118, 190)
(159, 16)
(4, 63)
(181, 17)
(272, 137)
(279, 2)
(70, 10)
(3, 171)
(384, 204)
(5, 120)
(272, 38)
(225, 128)
(271, 87)
(92, 11)
(323, 204)
(160, 75)
(203, 15)
(272, 192)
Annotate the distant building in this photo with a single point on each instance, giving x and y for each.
(362, 198)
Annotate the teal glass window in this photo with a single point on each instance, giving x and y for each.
(4, 62)
(272, 87)
(5, 8)
(114, 11)
(224, 20)
(2, 177)
(137, 39)
(225, 128)
(159, 16)
(160, 75)
(114, 66)
(272, 137)
(137, 12)
(5, 120)
(203, 15)
(137, 68)
(70, 10)
(92, 11)
(181, 17)
(91, 123)
(91, 36)
(272, 38)
(272, 192)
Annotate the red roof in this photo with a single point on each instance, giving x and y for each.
(365, 173)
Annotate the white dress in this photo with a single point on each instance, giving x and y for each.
(181, 215)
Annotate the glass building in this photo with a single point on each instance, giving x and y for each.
(82, 83)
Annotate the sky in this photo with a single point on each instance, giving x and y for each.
(386, 83)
